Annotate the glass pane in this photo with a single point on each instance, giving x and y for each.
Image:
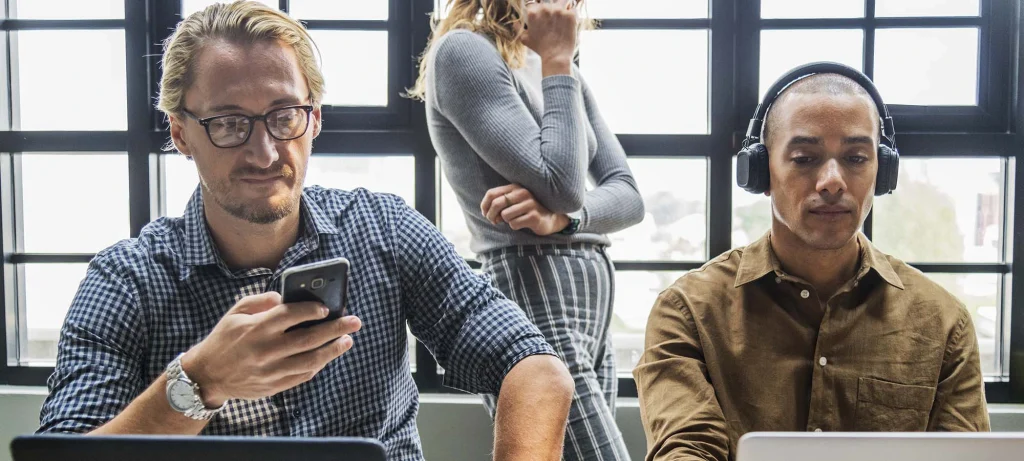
(391, 174)
(50, 68)
(180, 181)
(943, 210)
(355, 66)
(751, 214)
(191, 6)
(374, 10)
(890, 8)
(980, 293)
(675, 227)
(453, 222)
(646, 9)
(805, 9)
(635, 293)
(638, 90)
(927, 66)
(49, 290)
(1010, 198)
(1007, 323)
(782, 50)
(67, 9)
(84, 192)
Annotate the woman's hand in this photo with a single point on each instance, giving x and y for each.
(551, 33)
(515, 205)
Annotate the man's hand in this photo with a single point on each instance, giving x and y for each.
(515, 205)
(250, 355)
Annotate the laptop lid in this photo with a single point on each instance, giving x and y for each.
(858, 446)
(204, 448)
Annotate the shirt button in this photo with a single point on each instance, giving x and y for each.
(778, 279)
(296, 413)
(823, 361)
(817, 430)
(805, 294)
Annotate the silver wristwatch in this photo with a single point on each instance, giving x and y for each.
(184, 396)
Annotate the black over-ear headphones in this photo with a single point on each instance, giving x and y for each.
(752, 161)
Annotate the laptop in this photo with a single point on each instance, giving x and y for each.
(205, 448)
(880, 446)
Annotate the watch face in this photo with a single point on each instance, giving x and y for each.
(180, 395)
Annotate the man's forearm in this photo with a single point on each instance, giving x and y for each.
(533, 407)
(150, 413)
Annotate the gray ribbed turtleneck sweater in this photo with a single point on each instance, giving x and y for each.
(489, 130)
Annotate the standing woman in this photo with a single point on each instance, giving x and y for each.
(518, 132)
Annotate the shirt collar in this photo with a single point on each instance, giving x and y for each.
(758, 259)
(200, 249)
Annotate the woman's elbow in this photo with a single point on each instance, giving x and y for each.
(637, 209)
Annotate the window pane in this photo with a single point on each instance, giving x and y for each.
(391, 174)
(927, 66)
(884, 8)
(812, 9)
(943, 210)
(374, 10)
(751, 214)
(355, 66)
(638, 90)
(50, 70)
(980, 293)
(782, 50)
(453, 222)
(84, 192)
(675, 227)
(646, 9)
(1007, 323)
(635, 293)
(67, 9)
(49, 290)
(191, 6)
(180, 181)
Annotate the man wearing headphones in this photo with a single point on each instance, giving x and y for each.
(810, 328)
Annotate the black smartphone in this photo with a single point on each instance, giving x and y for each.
(325, 282)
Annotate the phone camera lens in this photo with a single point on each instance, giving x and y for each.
(318, 284)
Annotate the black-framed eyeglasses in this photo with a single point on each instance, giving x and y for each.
(233, 130)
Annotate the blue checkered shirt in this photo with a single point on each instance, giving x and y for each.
(146, 300)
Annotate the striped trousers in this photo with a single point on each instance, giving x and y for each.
(567, 291)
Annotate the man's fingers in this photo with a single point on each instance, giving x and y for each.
(285, 316)
(312, 361)
(256, 304)
(307, 339)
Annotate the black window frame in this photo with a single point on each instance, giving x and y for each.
(995, 127)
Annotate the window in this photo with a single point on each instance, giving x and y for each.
(640, 94)
(676, 81)
(81, 72)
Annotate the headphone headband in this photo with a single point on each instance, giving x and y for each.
(799, 73)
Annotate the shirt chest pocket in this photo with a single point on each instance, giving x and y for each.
(883, 406)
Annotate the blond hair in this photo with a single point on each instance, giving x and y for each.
(241, 22)
(496, 19)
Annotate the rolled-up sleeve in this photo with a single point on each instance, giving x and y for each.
(474, 332)
(98, 370)
(680, 411)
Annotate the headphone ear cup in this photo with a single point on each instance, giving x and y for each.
(752, 169)
(888, 170)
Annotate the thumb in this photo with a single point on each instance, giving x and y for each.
(255, 304)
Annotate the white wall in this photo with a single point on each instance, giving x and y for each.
(453, 427)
